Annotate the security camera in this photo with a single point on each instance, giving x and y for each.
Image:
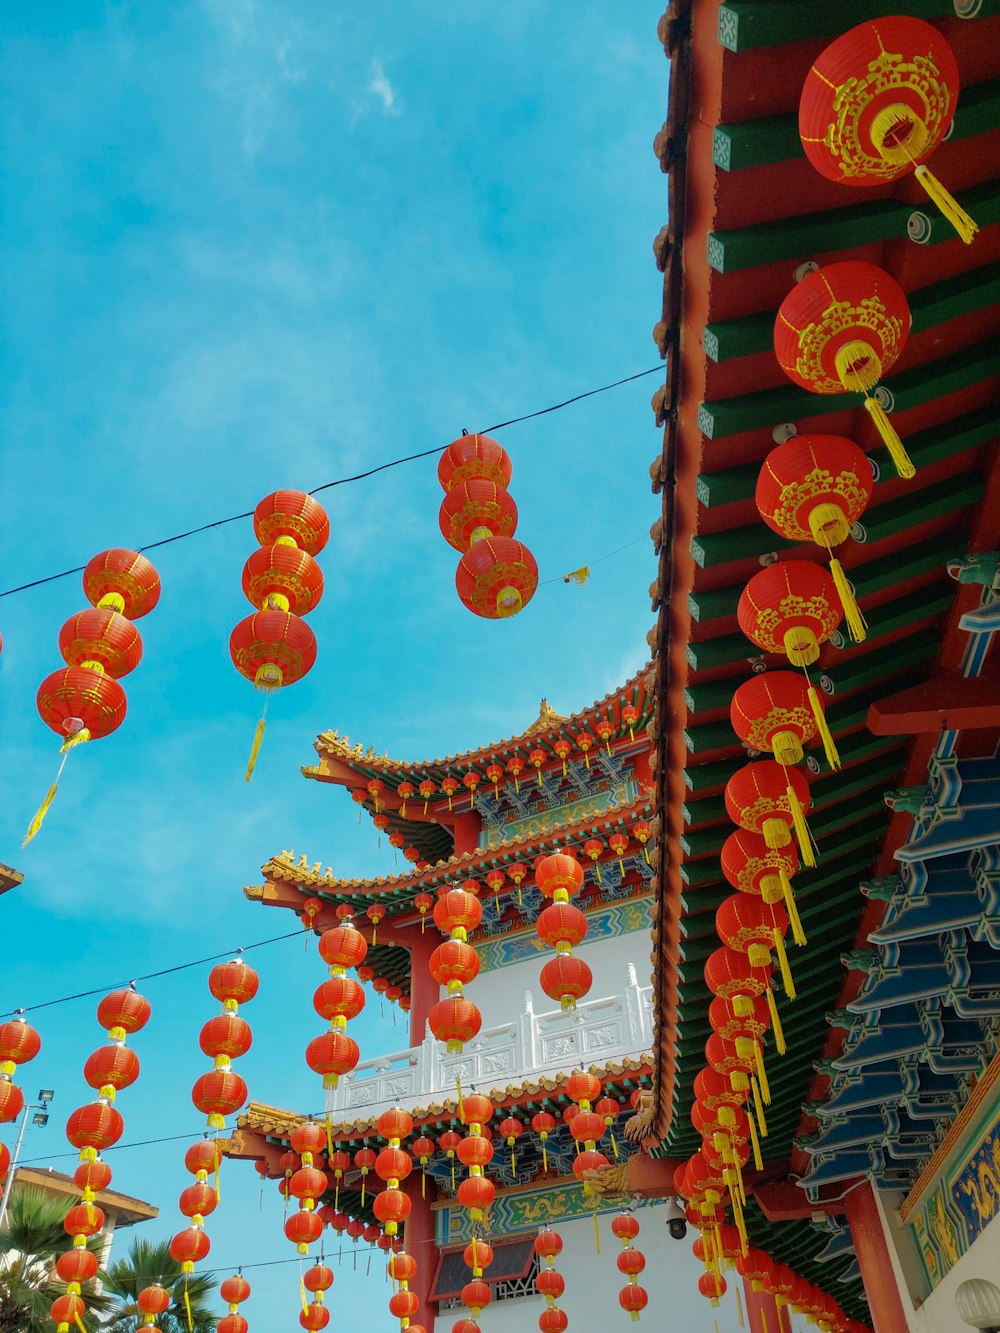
(676, 1220)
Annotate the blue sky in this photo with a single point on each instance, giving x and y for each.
(252, 245)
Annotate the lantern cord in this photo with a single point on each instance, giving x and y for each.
(150, 976)
(359, 476)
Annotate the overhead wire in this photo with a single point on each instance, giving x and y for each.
(150, 976)
(358, 476)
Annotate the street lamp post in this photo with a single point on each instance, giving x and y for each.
(41, 1116)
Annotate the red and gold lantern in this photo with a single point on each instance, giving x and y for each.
(752, 867)
(496, 578)
(333, 1053)
(770, 800)
(778, 711)
(814, 488)
(564, 978)
(275, 648)
(876, 104)
(840, 330)
(455, 1020)
(791, 607)
(474, 456)
(474, 510)
(84, 701)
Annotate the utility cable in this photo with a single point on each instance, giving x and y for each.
(149, 976)
(344, 481)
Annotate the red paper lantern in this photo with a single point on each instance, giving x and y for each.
(473, 456)
(548, 1245)
(282, 578)
(219, 1093)
(754, 868)
(153, 1300)
(476, 1193)
(101, 639)
(769, 800)
(553, 1320)
(457, 912)
(550, 1284)
(292, 518)
(476, 1295)
(779, 711)
(123, 1009)
(876, 104)
(454, 1021)
(233, 983)
(232, 1323)
(454, 961)
(561, 923)
(632, 1298)
(840, 330)
(95, 1125)
(339, 997)
(11, 1101)
(302, 1228)
(273, 649)
(567, 979)
(206, 1155)
(475, 509)
(496, 578)
(314, 1316)
(559, 876)
(226, 1034)
(84, 1219)
(332, 1054)
(790, 607)
(111, 1066)
(190, 1246)
(19, 1042)
(198, 1200)
(65, 1310)
(81, 703)
(77, 1265)
(343, 946)
(122, 581)
(813, 488)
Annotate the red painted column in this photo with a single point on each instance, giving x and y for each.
(764, 1315)
(467, 826)
(418, 1238)
(424, 989)
(874, 1260)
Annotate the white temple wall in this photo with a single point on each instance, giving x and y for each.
(499, 992)
(593, 1282)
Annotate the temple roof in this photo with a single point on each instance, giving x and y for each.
(746, 209)
(276, 1123)
(541, 734)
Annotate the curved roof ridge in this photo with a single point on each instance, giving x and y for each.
(310, 876)
(332, 743)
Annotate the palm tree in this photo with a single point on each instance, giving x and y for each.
(31, 1240)
(146, 1263)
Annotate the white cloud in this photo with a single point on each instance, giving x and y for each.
(380, 86)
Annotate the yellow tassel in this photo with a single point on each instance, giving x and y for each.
(329, 1137)
(832, 757)
(302, 1293)
(801, 827)
(763, 1322)
(900, 458)
(545, 1160)
(364, 1179)
(856, 623)
(739, 1308)
(614, 1146)
(798, 934)
(258, 736)
(765, 1088)
(513, 1164)
(779, 1031)
(40, 814)
(579, 576)
(948, 204)
(597, 1234)
(786, 971)
(187, 1307)
(758, 1107)
(461, 1104)
(758, 1161)
(79, 1323)
(423, 1185)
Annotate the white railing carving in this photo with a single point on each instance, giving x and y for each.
(596, 1031)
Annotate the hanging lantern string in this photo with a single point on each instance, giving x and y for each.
(149, 976)
(358, 476)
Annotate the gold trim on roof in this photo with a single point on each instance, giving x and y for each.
(332, 743)
(287, 869)
(272, 1120)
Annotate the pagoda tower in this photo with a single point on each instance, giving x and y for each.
(580, 784)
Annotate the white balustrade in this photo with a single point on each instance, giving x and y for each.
(593, 1033)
